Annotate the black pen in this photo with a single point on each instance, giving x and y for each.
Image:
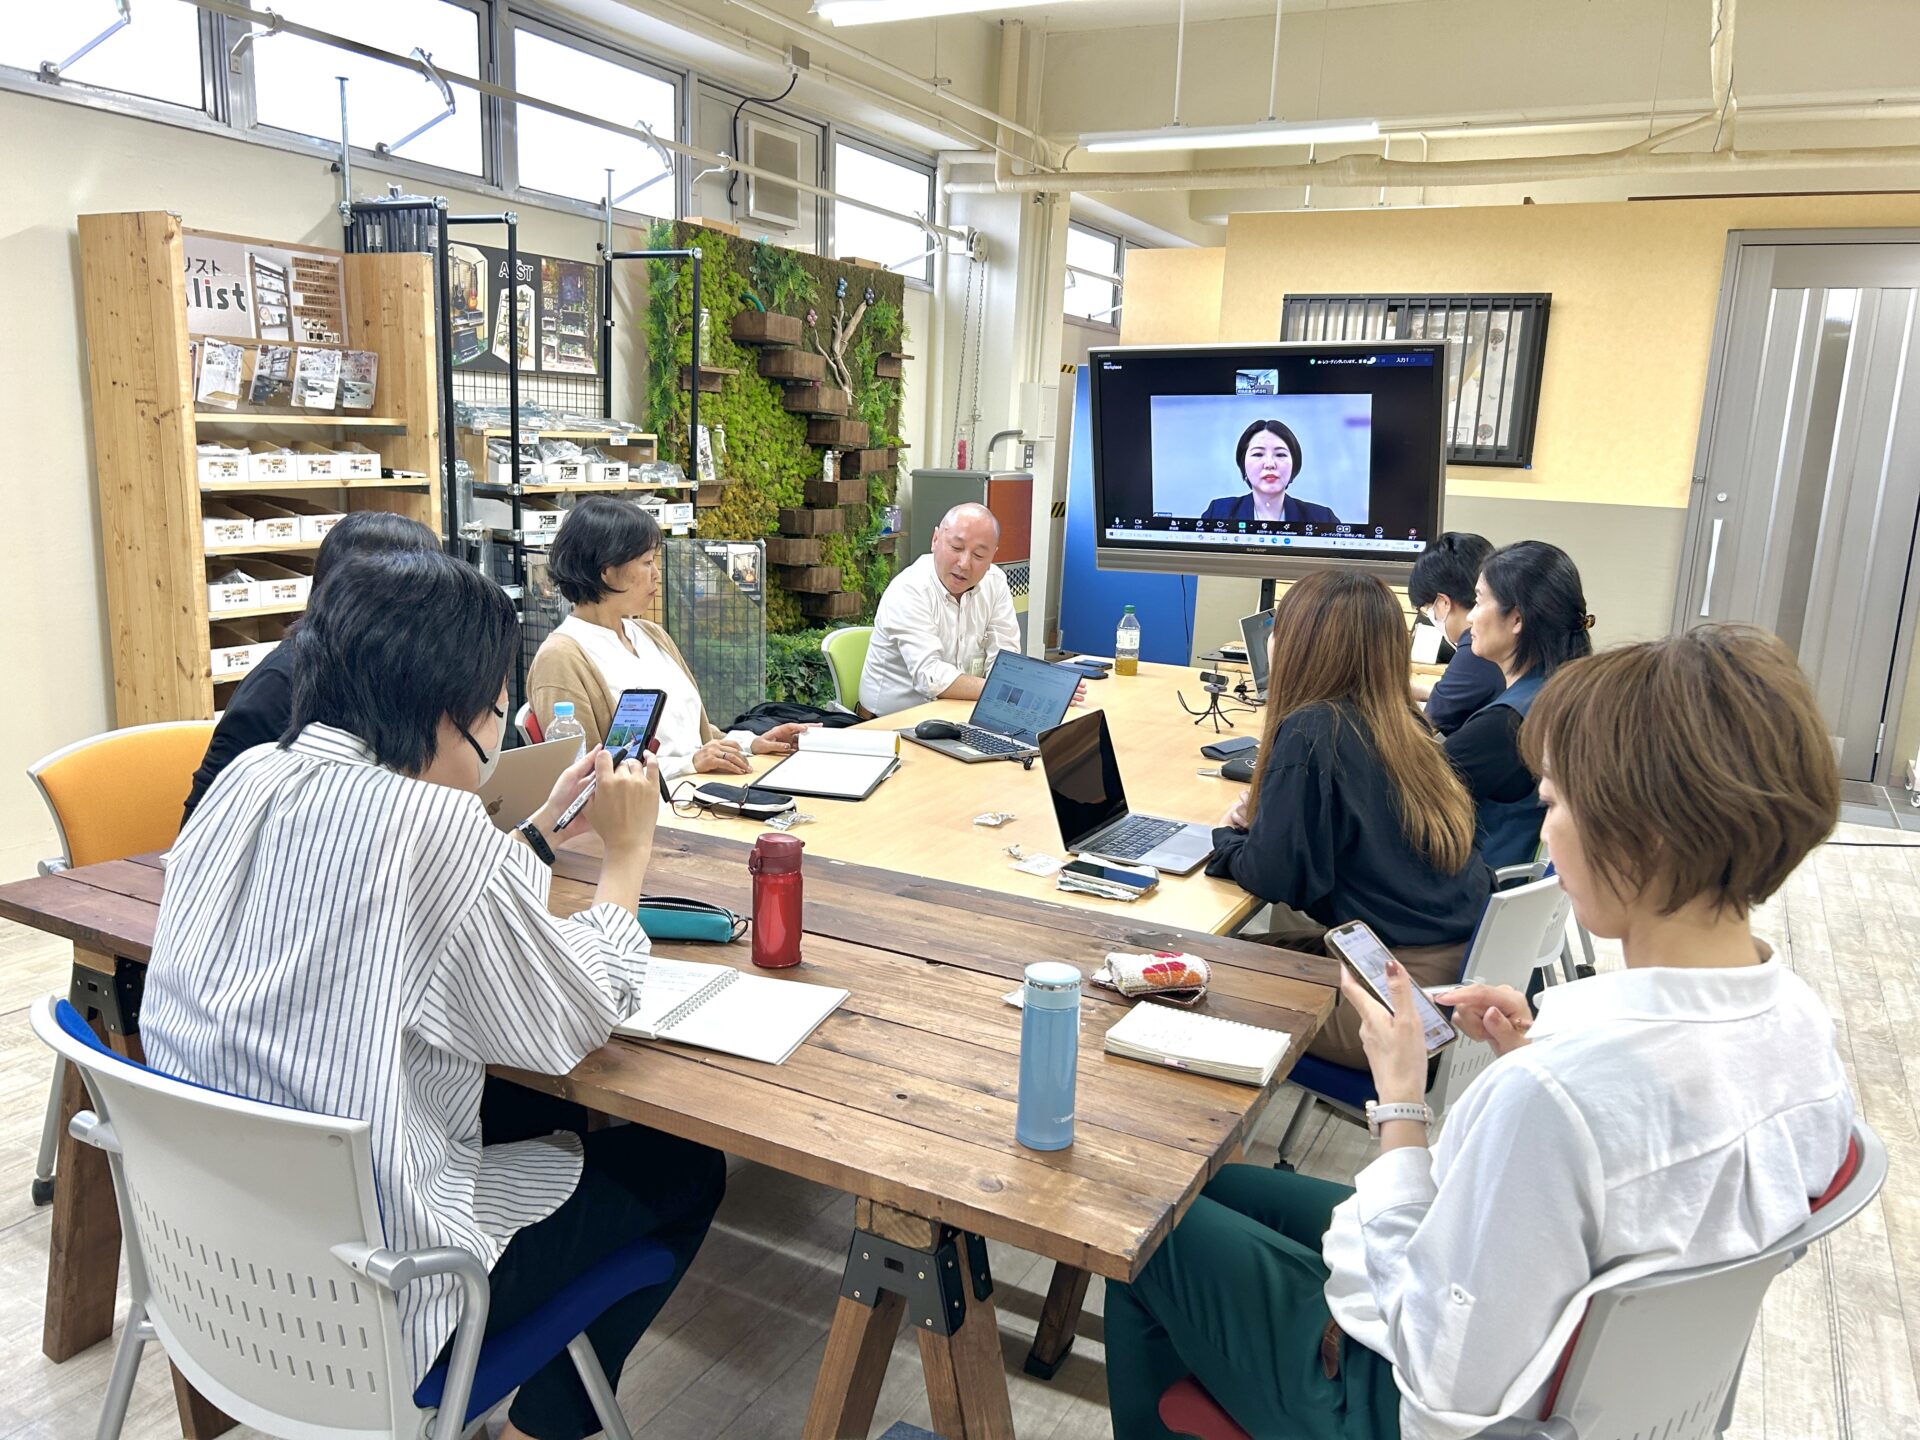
(624, 753)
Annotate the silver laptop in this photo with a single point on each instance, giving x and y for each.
(1256, 630)
(1021, 697)
(524, 778)
(1083, 776)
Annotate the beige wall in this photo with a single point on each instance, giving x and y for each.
(1634, 289)
(64, 160)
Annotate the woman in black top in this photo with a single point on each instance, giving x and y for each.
(262, 704)
(1353, 813)
(1268, 459)
(1529, 617)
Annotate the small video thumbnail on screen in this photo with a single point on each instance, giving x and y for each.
(1257, 455)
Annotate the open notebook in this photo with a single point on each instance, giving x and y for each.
(835, 764)
(717, 1007)
(1204, 1044)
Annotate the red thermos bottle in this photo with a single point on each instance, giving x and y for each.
(775, 867)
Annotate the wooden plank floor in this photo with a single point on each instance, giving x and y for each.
(734, 1353)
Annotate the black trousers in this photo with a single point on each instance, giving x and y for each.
(636, 1182)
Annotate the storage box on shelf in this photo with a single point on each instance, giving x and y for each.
(624, 451)
(167, 506)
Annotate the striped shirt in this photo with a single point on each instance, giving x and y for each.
(341, 939)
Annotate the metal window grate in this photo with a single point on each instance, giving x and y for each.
(1496, 347)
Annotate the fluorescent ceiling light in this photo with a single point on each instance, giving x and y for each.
(881, 12)
(1228, 137)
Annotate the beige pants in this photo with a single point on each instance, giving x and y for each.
(1339, 1039)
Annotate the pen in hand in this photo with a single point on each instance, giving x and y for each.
(567, 816)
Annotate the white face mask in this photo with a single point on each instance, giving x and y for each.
(488, 760)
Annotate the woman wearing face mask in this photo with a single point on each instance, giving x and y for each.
(1269, 461)
(346, 933)
(1441, 587)
(606, 562)
(1529, 617)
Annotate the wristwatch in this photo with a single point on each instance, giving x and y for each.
(1378, 1114)
(536, 842)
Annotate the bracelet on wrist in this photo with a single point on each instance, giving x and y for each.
(536, 842)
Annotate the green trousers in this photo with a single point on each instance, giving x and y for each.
(1235, 1297)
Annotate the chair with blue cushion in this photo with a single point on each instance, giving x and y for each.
(1660, 1355)
(1521, 931)
(255, 1257)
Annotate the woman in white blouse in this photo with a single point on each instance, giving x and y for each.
(606, 562)
(345, 932)
(1677, 1113)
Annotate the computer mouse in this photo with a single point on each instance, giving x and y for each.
(937, 730)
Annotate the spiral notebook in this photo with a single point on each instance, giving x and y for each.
(717, 1007)
(1204, 1044)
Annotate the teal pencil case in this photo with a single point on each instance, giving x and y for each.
(672, 917)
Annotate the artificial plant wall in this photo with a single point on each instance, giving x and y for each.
(850, 316)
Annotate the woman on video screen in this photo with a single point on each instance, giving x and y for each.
(1268, 457)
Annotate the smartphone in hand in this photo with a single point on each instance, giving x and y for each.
(1360, 950)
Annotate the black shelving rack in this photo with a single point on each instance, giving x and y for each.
(692, 257)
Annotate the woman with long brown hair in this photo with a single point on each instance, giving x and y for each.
(1354, 812)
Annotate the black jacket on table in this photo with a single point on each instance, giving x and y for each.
(258, 714)
(1326, 840)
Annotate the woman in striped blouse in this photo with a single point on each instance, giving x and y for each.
(345, 932)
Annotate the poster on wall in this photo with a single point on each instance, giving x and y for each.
(557, 304)
(253, 290)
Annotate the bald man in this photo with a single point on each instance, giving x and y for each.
(942, 619)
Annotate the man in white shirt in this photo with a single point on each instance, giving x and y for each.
(942, 619)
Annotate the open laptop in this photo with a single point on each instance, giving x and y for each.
(1083, 775)
(524, 778)
(1022, 697)
(1255, 631)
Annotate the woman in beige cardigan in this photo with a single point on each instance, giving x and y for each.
(606, 562)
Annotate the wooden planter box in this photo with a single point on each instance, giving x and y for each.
(885, 544)
(784, 551)
(711, 377)
(710, 494)
(836, 492)
(869, 462)
(832, 607)
(815, 400)
(837, 434)
(890, 365)
(812, 580)
(754, 327)
(793, 364)
(796, 521)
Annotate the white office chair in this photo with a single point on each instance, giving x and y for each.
(1658, 1356)
(255, 1258)
(1521, 931)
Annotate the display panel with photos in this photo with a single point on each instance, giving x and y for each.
(1229, 459)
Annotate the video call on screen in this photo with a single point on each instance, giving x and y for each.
(1335, 448)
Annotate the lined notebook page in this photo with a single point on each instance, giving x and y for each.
(1205, 1044)
(717, 1007)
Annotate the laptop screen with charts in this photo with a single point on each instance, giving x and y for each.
(1090, 803)
(1023, 696)
(1256, 630)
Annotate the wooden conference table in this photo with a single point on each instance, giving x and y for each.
(904, 1098)
(920, 820)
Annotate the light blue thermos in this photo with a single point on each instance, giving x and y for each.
(1049, 1054)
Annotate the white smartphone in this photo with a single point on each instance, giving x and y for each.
(1360, 950)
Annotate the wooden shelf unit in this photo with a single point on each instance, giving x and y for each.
(145, 429)
(269, 547)
(253, 612)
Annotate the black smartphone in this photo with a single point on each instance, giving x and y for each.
(636, 716)
(1112, 874)
(1356, 946)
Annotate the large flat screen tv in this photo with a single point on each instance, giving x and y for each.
(1267, 460)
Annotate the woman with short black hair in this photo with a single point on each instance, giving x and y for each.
(1441, 588)
(606, 562)
(1529, 617)
(345, 932)
(1269, 461)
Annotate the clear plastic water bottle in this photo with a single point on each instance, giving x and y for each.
(566, 727)
(1049, 1055)
(1126, 645)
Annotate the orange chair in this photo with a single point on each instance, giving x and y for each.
(120, 793)
(111, 796)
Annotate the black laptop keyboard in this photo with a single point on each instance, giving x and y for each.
(989, 743)
(1135, 836)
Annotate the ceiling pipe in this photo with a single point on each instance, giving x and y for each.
(1720, 52)
(1371, 171)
